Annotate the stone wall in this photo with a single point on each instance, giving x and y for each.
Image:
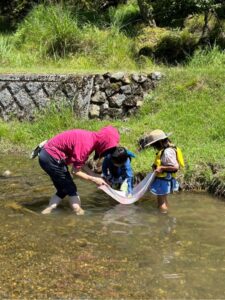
(91, 96)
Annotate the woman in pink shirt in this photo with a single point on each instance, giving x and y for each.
(74, 147)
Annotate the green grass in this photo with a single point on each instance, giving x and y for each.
(52, 39)
(189, 102)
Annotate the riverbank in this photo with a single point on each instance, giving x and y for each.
(189, 102)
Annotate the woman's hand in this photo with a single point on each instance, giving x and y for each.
(99, 181)
(96, 179)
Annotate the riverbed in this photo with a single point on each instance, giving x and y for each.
(113, 251)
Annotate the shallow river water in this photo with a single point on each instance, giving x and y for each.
(113, 251)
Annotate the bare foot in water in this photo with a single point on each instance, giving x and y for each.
(47, 210)
(163, 209)
(79, 211)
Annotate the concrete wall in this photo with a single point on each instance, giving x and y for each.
(91, 96)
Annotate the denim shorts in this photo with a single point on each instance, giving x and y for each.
(164, 186)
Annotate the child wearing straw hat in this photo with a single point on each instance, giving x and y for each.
(167, 162)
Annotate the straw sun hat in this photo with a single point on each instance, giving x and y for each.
(155, 136)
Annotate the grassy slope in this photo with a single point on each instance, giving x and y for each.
(190, 102)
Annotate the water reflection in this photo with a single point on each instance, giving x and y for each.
(123, 215)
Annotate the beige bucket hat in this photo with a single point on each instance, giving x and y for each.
(155, 136)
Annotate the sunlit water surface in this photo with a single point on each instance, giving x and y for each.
(113, 251)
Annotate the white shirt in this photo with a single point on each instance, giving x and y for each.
(169, 158)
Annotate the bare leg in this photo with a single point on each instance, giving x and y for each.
(76, 205)
(163, 203)
(53, 203)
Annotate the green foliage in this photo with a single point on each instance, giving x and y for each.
(173, 12)
(124, 16)
(5, 48)
(148, 39)
(189, 102)
(60, 42)
(175, 47)
(15, 10)
(74, 36)
(146, 10)
(56, 32)
(167, 46)
(207, 57)
(217, 35)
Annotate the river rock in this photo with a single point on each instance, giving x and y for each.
(115, 112)
(98, 80)
(137, 89)
(113, 88)
(117, 100)
(156, 75)
(7, 99)
(94, 111)
(130, 101)
(126, 89)
(117, 76)
(99, 97)
(139, 78)
(6, 173)
(148, 85)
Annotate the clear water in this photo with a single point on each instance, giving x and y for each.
(113, 251)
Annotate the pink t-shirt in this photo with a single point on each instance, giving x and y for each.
(74, 146)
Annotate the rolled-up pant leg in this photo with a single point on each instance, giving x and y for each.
(59, 174)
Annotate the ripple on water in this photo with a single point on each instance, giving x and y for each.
(113, 251)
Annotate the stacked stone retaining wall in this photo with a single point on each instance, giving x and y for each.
(91, 96)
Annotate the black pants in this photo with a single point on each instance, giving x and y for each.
(59, 174)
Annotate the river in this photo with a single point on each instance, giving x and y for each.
(113, 251)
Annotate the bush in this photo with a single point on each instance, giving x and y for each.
(215, 29)
(124, 16)
(50, 30)
(217, 35)
(207, 58)
(175, 47)
(5, 49)
(148, 39)
(109, 47)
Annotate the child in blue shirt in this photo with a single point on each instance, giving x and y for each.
(116, 169)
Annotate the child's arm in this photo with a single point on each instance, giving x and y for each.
(105, 167)
(129, 176)
(162, 169)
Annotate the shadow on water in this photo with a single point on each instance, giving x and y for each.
(113, 251)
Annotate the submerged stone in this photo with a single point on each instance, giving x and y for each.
(6, 173)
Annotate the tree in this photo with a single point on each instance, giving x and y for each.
(207, 7)
(146, 11)
(15, 10)
(169, 12)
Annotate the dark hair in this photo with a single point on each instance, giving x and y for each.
(119, 155)
(161, 144)
(106, 152)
